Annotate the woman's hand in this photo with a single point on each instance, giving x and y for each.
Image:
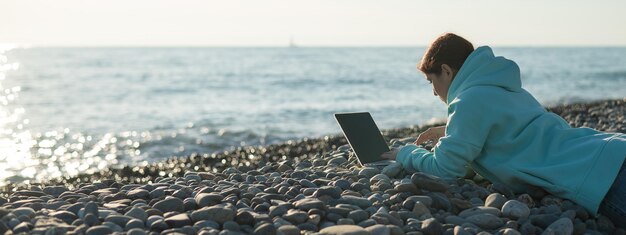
(391, 155)
(433, 133)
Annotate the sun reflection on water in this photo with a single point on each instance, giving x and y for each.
(27, 157)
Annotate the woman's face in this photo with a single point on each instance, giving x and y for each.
(441, 82)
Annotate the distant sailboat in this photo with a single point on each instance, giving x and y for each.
(291, 43)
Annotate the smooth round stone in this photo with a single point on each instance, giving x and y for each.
(479, 210)
(27, 211)
(21, 228)
(54, 190)
(486, 221)
(179, 220)
(343, 184)
(136, 231)
(428, 182)
(169, 204)
(296, 217)
(428, 201)
(307, 183)
(332, 191)
(99, 230)
(218, 213)
(510, 231)
(309, 203)
(408, 187)
(495, 200)
(561, 226)
(354, 200)
(134, 223)
(138, 193)
(157, 193)
(368, 172)
(138, 213)
(91, 207)
(366, 223)
(380, 177)
(358, 215)
(120, 220)
(431, 226)
(337, 161)
(91, 220)
(419, 209)
(345, 221)
(515, 210)
(283, 167)
(206, 224)
(379, 229)
(208, 199)
(288, 230)
(392, 169)
(66, 216)
(265, 228)
(344, 230)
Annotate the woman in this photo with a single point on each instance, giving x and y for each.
(505, 135)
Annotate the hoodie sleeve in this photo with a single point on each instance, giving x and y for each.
(466, 132)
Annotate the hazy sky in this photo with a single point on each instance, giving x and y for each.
(311, 22)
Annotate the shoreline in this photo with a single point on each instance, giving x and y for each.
(315, 170)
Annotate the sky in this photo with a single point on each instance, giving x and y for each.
(311, 23)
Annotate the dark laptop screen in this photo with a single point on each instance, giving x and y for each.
(363, 136)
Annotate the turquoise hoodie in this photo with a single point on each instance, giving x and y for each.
(506, 136)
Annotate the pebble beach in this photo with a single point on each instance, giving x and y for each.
(306, 186)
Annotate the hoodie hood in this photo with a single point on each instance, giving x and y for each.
(482, 68)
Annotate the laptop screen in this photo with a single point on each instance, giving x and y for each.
(363, 136)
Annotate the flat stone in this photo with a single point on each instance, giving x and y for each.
(354, 200)
(99, 230)
(431, 227)
(358, 215)
(134, 223)
(137, 213)
(344, 230)
(218, 213)
(495, 200)
(309, 203)
(515, 210)
(408, 187)
(419, 209)
(429, 182)
(479, 210)
(66, 216)
(331, 191)
(265, 229)
(177, 221)
(54, 190)
(26, 211)
(288, 230)
(486, 221)
(380, 177)
(368, 172)
(138, 193)
(208, 199)
(136, 231)
(379, 229)
(29, 193)
(562, 226)
(170, 204)
(91, 207)
(120, 220)
(296, 216)
(392, 169)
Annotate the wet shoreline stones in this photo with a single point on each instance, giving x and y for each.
(316, 188)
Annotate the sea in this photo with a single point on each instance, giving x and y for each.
(65, 111)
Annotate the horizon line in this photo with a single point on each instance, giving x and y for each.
(26, 45)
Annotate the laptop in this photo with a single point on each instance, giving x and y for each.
(364, 137)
